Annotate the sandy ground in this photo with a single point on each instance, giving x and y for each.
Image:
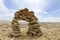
(51, 31)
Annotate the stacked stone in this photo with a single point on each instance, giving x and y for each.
(31, 16)
(27, 16)
(15, 27)
(34, 30)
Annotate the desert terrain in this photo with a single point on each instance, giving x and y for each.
(51, 31)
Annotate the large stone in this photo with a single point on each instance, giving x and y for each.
(28, 16)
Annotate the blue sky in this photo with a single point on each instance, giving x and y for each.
(45, 10)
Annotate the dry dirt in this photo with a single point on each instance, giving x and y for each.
(51, 31)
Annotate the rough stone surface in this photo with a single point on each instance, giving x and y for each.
(28, 16)
(51, 31)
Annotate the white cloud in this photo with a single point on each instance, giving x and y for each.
(45, 12)
(50, 19)
(5, 14)
(2, 6)
(35, 5)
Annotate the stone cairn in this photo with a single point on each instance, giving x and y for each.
(28, 16)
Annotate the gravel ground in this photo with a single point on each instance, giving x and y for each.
(51, 31)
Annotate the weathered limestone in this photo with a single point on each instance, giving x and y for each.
(28, 16)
